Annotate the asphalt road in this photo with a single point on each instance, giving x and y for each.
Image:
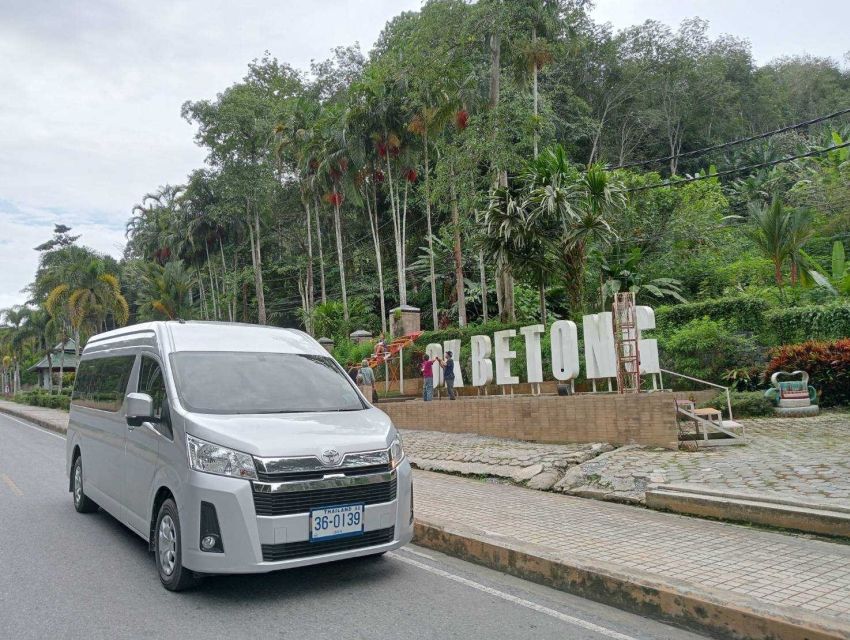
(68, 575)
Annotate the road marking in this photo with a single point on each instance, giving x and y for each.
(419, 553)
(11, 484)
(33, 427)
(578, 622)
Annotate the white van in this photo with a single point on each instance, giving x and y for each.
(234, 448)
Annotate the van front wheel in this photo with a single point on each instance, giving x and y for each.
(173, 575)
(82, 503)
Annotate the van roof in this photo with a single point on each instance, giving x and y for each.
(216, 336)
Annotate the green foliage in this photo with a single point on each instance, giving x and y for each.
(705, 349)
(328, 319)
(347, 352)
(747, 404)
(743, 312)
(42, 398)
(796, 324)
(827, 363)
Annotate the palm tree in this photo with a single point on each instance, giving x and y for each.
(780, 235)
(88, 295)
(166, 291)
(576, 207)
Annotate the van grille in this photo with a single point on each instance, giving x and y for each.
(320, 473)
(291, 550)
(289, 502)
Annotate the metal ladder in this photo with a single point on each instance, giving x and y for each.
(624, 318)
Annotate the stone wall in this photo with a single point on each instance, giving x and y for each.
(647, 419)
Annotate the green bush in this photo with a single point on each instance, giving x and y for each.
(706, 349)
(746, 404)
(827, 363)
(743, 312)
(43, 398)
(799, 324)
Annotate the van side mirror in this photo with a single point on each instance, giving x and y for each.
(139, 409)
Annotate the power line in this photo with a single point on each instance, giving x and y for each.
(731, 143)
(728, 172)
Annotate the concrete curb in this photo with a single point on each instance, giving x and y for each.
(822, 519)
(720, 613)
(35, 419)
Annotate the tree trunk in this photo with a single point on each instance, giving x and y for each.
(376, 239)
(224, 279)
(542, 302)
(212, 283)
(483, 272)
(534, 90)
(258, 272)
(341, 261)
(311, 300)
(321, 252)
(458, 255)
(244, 302)
(397, 232)
(432, 277)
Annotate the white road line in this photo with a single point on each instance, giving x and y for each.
(578, 622)
(33, 427)
(418, 553)
(11, 484)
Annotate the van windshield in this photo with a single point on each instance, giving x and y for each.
(239, 382)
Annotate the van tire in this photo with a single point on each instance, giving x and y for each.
(82, 503)
(167, 550)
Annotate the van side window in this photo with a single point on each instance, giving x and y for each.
(152, 383)
(101, 383)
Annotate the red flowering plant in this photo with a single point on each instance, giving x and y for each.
(462, 119)
(827, 363)
(333, 198)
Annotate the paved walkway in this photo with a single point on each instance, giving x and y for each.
(53, 419)
(722, 560)
(804, 459)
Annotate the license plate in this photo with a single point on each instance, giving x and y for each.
(336, 522)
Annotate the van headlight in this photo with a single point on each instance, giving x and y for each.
(396, 453)
(212, 458)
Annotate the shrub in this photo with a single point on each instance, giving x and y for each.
(797, 324)
(43, 398)
(827, 363)
(744, 312)
(706, 348)
(746, 404)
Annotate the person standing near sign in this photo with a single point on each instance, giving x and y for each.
(448, 366)
(427, 378)
(366, 381)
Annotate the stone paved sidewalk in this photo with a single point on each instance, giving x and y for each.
(804, 459)
(721, 560)
(53, 419)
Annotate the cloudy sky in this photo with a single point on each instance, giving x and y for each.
(90, 90)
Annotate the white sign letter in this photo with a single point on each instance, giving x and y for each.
(432, 350)
(599, 353)
(482, 366)
(454, 347)
(564, 335)
(533, 355)
(648, 348)
(504, 355)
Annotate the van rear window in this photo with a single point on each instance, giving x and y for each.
(102, 383)
(237, 382)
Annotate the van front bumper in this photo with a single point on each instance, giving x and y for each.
(244, 534)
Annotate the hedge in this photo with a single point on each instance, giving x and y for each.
(798, 324)
(43, 398)
(744, 312)
(745, 404)
(827, 363)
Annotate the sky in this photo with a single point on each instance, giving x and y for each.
(90, 90)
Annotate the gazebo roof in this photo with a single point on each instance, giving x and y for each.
(66, 361)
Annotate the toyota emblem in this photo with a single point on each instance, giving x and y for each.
(330, 456)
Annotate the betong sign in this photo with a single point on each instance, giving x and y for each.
(599, 351)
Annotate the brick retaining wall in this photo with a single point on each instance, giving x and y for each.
(647, 419)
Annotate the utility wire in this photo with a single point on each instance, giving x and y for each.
(728, 172)
(732, 143)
